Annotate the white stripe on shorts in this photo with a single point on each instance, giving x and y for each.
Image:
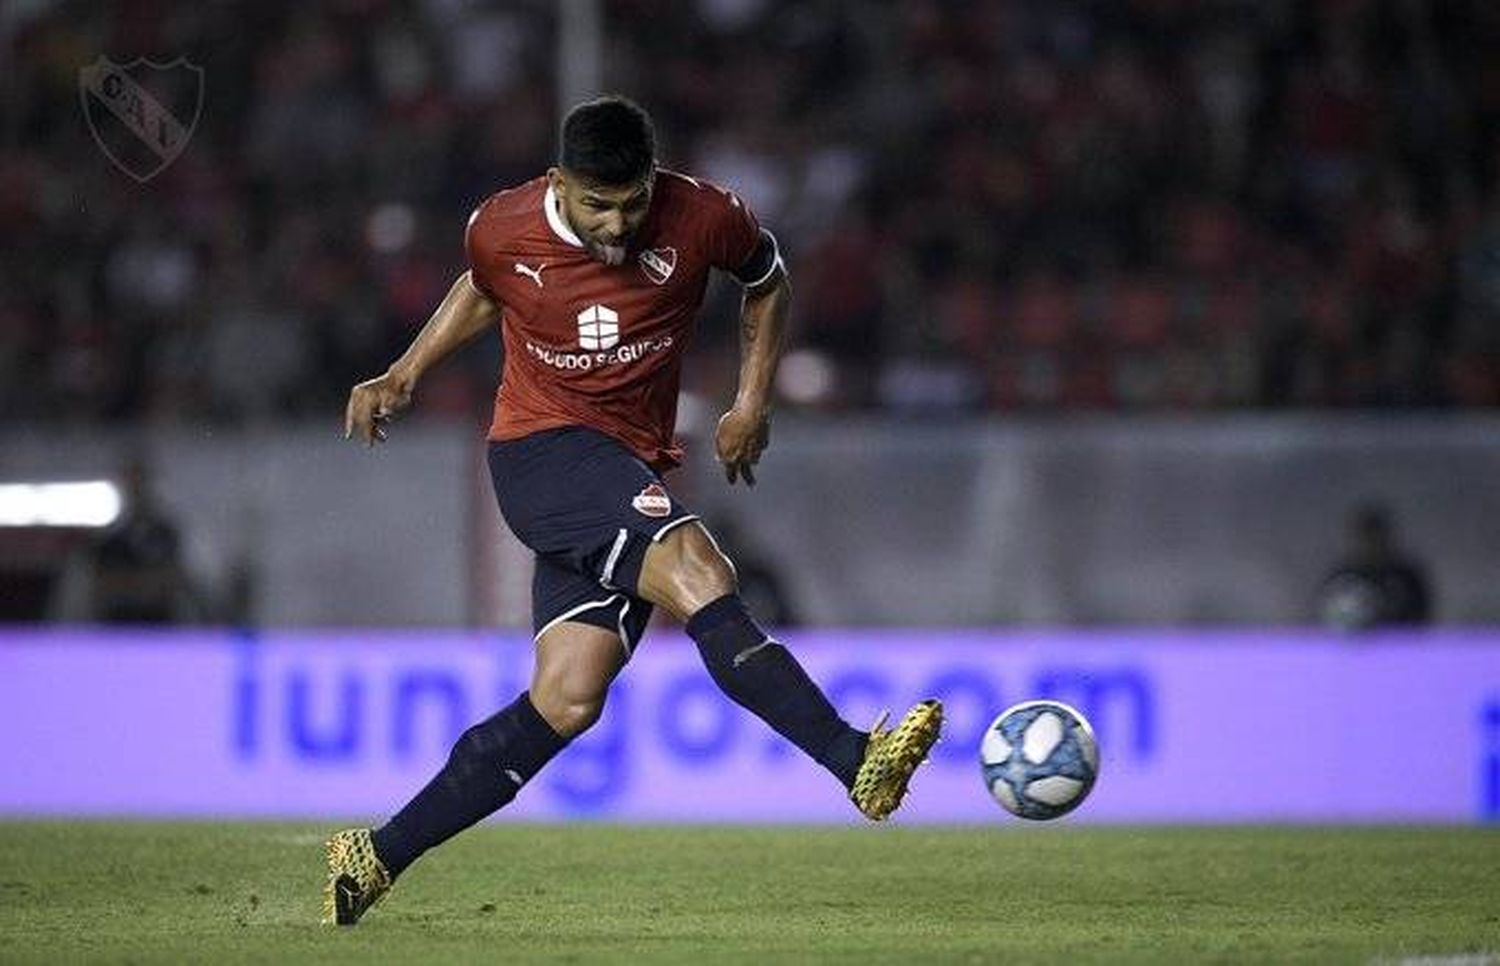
(608, 573)
(590, 605)
(656, 537)
(575, 611)
(625, 638)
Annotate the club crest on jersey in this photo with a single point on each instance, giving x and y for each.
(658, 263)
(653, 501)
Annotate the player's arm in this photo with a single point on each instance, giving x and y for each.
(464, 313)
(745, 430)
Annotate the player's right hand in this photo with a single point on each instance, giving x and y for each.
(375, 402)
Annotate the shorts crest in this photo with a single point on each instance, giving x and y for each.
(653, 501)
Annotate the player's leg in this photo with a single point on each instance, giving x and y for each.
(686, 573)
(583, 639)
(579, 497)
(575, 664)
(489, 764)
(485, 768)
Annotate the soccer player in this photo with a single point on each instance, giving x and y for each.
(595, 273)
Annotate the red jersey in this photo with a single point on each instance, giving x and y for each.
(589, 344)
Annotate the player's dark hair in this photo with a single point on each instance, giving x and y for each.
(609, 140)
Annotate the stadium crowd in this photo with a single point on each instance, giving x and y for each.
(989, 205)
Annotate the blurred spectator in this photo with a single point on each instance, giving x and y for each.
(134, 573)
(999, 203)
(1377, 583)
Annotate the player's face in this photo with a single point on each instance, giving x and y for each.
(604, 217)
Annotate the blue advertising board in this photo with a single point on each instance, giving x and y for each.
(1209, 727)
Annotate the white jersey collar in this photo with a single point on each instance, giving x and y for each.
(555, 219)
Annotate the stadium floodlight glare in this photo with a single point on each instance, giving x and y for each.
(84, 503)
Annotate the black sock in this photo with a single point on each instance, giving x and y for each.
(763, 677)
(488, 765)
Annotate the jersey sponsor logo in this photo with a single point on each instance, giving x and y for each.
(588, 361)
(598, 328)
(535, 274)
(652, 501)
(657, 264)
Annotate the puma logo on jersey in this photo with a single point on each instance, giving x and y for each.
(535, 274)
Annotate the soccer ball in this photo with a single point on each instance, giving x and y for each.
(1039, 759)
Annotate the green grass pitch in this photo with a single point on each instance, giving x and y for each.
(594, 893)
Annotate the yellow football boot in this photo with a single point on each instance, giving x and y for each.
(892, 756)
(356, 879)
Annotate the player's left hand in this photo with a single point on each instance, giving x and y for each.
(742, 436)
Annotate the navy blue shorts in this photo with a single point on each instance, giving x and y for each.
(588, 508)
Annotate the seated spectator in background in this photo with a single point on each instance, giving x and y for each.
(1377, 583)
(137, 571)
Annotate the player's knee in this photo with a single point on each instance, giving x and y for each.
(573, 718)
(569, 710)
(702, 573)
(704, 563)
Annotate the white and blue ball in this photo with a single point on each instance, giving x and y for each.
(1040, 759)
